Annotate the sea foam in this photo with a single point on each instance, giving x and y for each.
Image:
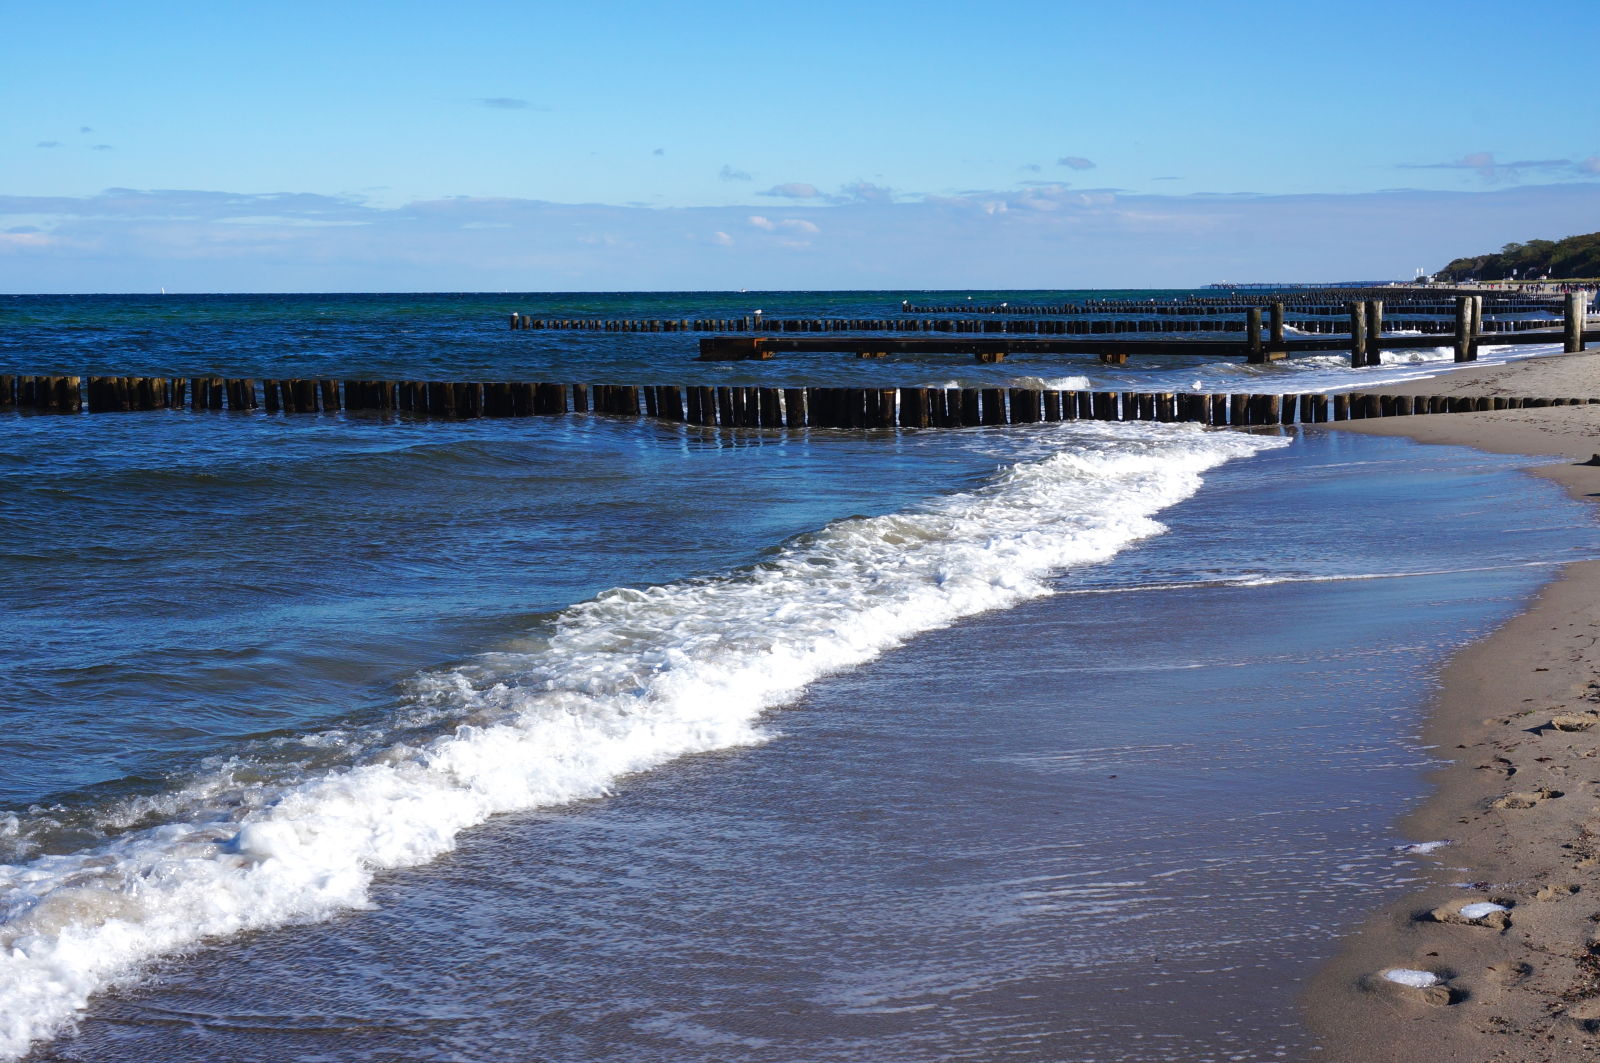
(619, 684)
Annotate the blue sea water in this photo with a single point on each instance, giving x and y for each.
(582, 738)
(467, 337)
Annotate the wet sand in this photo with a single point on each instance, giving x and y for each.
(1518, 716)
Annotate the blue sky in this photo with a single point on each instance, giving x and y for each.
(486, 146)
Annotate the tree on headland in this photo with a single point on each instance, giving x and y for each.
(1574, 257)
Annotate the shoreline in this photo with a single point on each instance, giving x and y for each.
(1517, 716)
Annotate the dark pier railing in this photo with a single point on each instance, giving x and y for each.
(727, 407)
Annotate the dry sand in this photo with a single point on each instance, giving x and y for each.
(1519, 718)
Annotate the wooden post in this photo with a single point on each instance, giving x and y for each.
(1245, 409)
(521, 399)
(1358, 334)
(970, 414)
(1254, 354)
(794, 407)
(1276, 324)
(1572, 322)
(497, 399)
(1463, 336)
(886, 407)
(1219, 409)
(441, 399)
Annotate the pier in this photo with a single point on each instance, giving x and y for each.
(1363, 328)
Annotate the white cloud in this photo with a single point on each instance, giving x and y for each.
(793, 190)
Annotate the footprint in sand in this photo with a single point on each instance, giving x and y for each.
(1525, 798)
(1509, 975)
(1555, 891)
(1501, 765)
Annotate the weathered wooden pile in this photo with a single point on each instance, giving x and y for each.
(743, 407)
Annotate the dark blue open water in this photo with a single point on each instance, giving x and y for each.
(344, 737)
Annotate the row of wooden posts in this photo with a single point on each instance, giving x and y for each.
(1365, 316)
(748, 407)
(1363, 335)
(998, 326)
(1326, 301)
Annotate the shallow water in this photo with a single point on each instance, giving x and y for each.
(1120, 822)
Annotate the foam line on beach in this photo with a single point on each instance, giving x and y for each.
(1257, 580)
(622, 683)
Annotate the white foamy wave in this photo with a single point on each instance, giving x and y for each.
(1053, 383)
(622, 683)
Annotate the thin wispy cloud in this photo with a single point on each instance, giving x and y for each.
(659, 151)
(503, 103)
(1075, 162)
(1484, 164)
(48, 144)
(795, 225)
(863, 192)
(793, 190)
(854, 192)
(101, 147)
(728, 173)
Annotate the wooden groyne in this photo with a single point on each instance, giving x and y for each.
(731, 407)
(1332, 325)
(1312, 300)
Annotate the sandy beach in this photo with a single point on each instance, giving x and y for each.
(1503, 944)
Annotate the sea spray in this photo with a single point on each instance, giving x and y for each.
(622, 683)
